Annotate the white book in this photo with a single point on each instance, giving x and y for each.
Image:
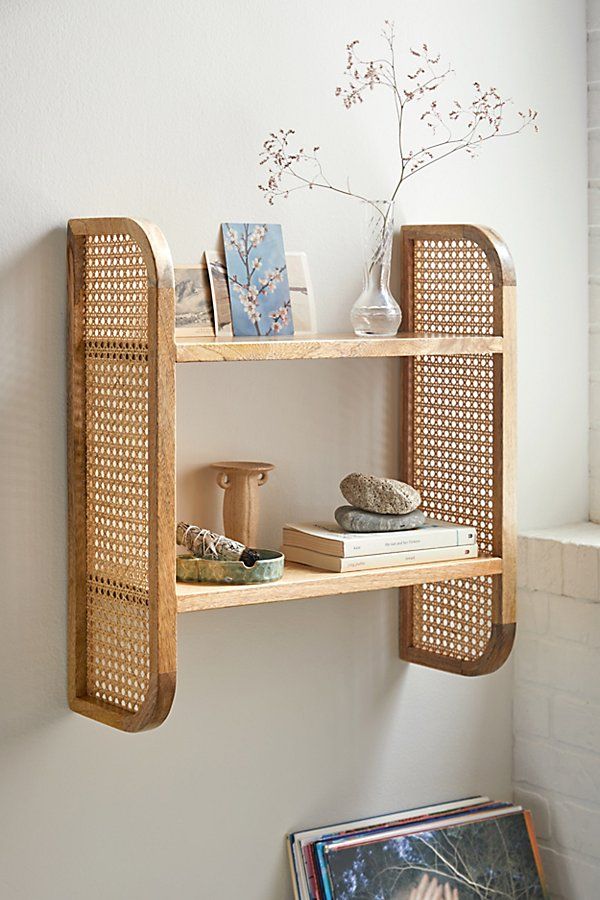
(298, 840)
(325, 537)
(376, 560)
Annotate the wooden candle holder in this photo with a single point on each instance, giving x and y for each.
(241, 481)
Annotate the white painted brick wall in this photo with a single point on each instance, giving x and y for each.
(556, 709)
(594, 251)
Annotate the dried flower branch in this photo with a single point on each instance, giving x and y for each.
(464, 127)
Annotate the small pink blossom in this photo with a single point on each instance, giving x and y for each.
(280, 318)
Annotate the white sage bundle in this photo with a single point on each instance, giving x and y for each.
(205, 544)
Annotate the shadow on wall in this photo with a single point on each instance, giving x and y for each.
(33, 485)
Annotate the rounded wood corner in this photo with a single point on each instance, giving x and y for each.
(153, 713)
(493, 658)
(161, 254)
(491, 242)
(497, 651)
(495, 248)
(149, 236)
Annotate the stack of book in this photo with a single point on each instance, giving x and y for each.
(472, 848)
(326, 546)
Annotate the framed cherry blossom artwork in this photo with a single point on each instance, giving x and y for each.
(193, 301)
(257, 277)
(217, 278)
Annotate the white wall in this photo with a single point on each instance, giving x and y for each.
(556, 762)
(593, 56)
(557, 703)
(300, 714)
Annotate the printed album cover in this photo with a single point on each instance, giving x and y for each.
(488, 858)
(471, 849)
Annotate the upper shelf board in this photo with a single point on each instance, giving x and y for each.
(330, 346)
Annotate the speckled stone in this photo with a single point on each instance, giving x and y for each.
(379, 495)
(351, 519)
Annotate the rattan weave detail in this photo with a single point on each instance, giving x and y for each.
(116, 381)
(454, 618)
(453, 410)
(454, 440)
(453, 288)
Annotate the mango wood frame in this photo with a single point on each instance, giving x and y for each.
(502, 421)
(158, 303)
(122, 631)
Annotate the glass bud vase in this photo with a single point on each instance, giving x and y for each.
(376, 313)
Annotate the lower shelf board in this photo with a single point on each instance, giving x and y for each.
(302, 582)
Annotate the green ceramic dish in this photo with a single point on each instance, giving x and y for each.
(268, 567)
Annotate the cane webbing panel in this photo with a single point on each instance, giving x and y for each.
(453, 440)
(453, 288)
(454, 413)
(454, 618)
(117, 516)
(453, 447)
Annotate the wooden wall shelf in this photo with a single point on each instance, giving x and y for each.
(330, 346)
(458, 447)
(301, 582)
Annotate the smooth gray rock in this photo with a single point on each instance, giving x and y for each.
(379, 495)
(351, 519)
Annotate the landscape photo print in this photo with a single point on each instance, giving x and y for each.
(493, 859)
